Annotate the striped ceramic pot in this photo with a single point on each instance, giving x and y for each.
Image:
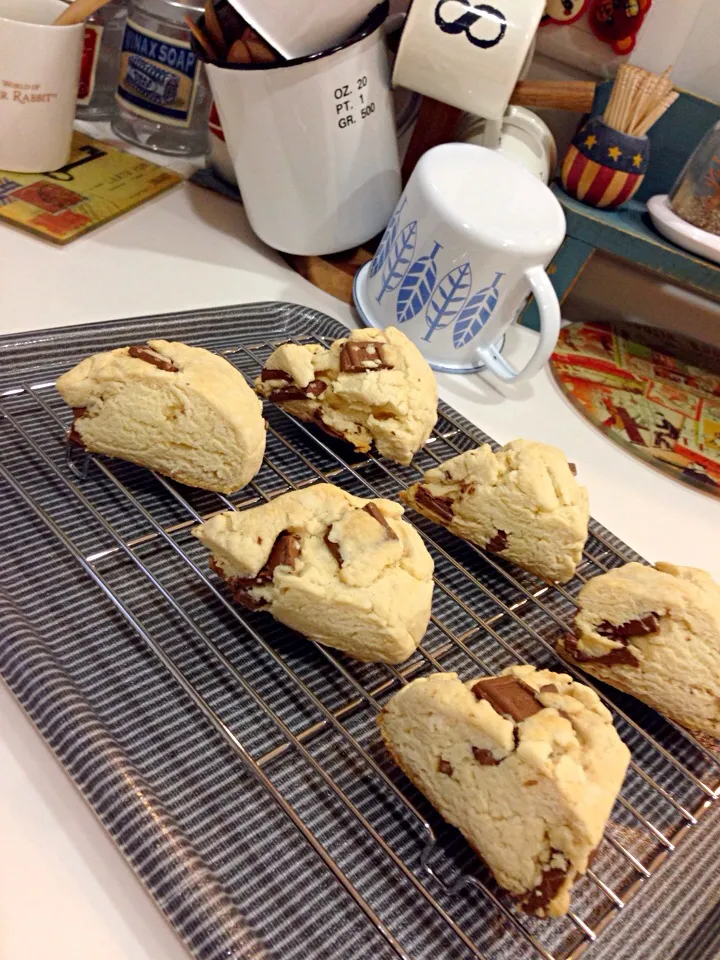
(603, 167)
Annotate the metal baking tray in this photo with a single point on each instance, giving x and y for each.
(237, 765)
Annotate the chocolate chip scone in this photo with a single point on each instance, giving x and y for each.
(348, 572)
(371, 387)
(654, 632)
(179, 410)
(522, 502)
(526, 765)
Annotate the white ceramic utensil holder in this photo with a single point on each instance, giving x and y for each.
(313, 143)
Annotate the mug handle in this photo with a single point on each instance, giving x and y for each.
(549, 308)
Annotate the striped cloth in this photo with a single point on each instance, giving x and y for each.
(224, 864)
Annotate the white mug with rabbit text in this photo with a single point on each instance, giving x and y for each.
(469, 239)
(39, 70)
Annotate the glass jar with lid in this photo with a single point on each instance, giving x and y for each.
(101, 61)
(163, 99)
(695, 197)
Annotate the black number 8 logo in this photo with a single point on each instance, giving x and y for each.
(462, 16)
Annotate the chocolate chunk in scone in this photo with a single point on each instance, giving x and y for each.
(484, 757)
(508, 696)
(371, 509)
(181, 411)
(614, 657)
(376, 514)
(347, 572)
(313, 389)
(522, 502)
(284, 553)
(154, 357)
(526, 765)
(333, 547)
(269, 374)
(238, 589)
(498, 543)
(371, 388)
(74, 436)
(551, 883)
(441, 506)
(631, 628)
(653, 632)
(360, 356)
(330, 431)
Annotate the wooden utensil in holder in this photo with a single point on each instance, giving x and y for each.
(78, 11)
(225, 37)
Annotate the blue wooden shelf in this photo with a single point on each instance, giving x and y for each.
(628, 233)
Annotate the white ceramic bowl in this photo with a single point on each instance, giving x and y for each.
(684, 234)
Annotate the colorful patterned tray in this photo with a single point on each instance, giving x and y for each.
(654, 392)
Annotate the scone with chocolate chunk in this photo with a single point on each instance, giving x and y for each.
(180, 410)
(526, 765)
(348, 572)
(654, 632)
(522, 502)
(371, 387)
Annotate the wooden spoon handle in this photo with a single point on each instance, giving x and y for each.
(201, 38)
(575, 95)
(259, 50)
(78, 11)
(213, 29)
(239, 52)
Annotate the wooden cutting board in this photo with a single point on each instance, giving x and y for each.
(333, 273)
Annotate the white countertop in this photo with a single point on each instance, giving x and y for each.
(191, 249)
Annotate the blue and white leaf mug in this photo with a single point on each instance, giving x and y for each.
(469, 240)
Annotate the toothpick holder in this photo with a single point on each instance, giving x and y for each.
(604, 167)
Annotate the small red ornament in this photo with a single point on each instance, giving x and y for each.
(563, 11)
(617, 22)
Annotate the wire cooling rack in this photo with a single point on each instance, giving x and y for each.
(300, 718)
